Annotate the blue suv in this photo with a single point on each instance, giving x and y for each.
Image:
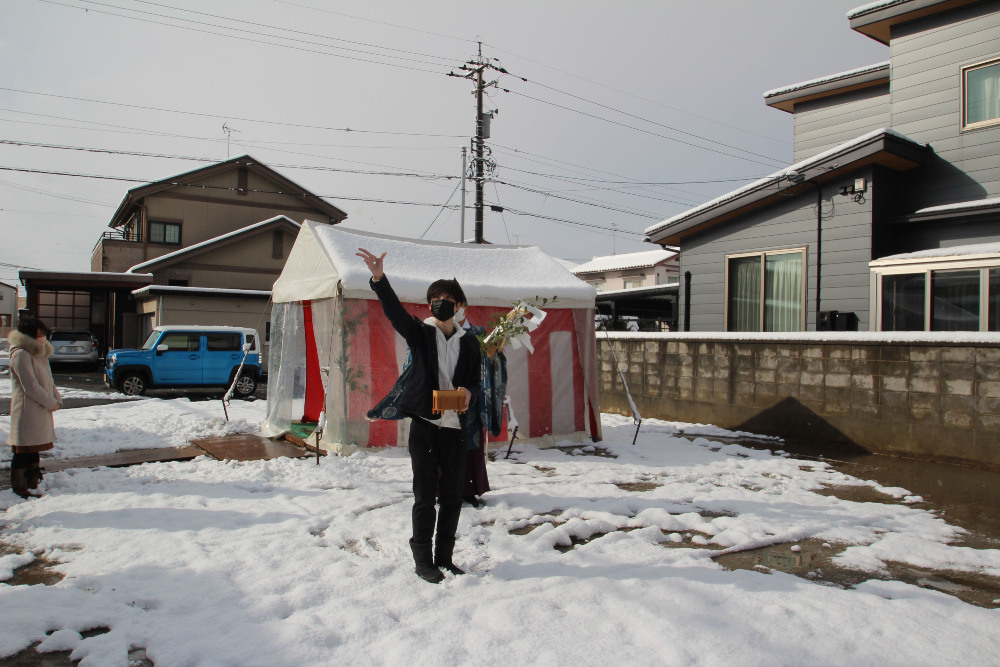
(191, 356)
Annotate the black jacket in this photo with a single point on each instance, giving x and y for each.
(417, 397)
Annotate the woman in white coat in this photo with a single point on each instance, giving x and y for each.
(34, 398)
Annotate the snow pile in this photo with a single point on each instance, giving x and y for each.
(575, 559)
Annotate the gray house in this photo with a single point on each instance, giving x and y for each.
(889, 219)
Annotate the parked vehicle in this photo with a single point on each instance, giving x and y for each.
(187, 356)
(76, 346)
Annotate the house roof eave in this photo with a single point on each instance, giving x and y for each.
(134, 195)
(877, 19)
(884, 147)
(786, 99)
(185, 254)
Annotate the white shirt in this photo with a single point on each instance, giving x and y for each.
(447, 349)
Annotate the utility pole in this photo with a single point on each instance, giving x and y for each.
(461, 238)
(474, 70)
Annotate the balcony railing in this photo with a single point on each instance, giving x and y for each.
(118, 235)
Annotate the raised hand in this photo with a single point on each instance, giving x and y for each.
(373, 261)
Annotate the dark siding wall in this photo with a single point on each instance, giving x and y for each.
(926, 102)
(846, 248)
(823, 124)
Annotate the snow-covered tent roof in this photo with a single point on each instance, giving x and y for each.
(490, 275)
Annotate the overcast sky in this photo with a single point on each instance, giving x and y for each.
(632, 111)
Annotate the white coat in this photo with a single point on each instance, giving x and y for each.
(33, 395)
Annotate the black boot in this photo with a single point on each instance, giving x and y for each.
(34, 476)
(19, 483)
(425, 568)
(34, 471)
(443, 551)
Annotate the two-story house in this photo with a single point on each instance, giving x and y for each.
(889, 218)
(636, 290)
(202, 247)
(8, 308)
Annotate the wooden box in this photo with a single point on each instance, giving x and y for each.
(448, 399)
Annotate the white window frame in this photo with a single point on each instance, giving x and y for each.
(926, 268)
(965, 72)
(763, 264)
(639, 280)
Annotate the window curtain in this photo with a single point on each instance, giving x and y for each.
(744, 294)
(982, 94)
(783, 292)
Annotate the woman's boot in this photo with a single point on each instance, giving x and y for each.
(34, 471)
(19, 483)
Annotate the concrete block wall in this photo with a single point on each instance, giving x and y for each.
(924, 399)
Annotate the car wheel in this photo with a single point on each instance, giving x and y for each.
(246, 385)
(133, 384)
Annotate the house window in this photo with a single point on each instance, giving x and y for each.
(903, 302)
(164, 232)
(955, 300)
(632, 283)
(981, 95)
(598, 286)
(765, 291)
(965, 299)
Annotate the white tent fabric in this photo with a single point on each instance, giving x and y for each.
(324, 255)
(553, 391)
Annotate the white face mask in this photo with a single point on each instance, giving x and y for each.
(460, 315)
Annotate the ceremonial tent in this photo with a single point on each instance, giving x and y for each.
(333, 350)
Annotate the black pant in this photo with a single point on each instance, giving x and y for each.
(437, 456)
(25, 461)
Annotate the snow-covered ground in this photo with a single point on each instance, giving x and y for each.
(285, 562)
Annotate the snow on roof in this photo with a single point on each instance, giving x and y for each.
(773, 178)
(176, 253)
(827, 79)
(960, 206)
(490, 275)
(143, 291)
(632, 260)
(873, 7)
(956, 251)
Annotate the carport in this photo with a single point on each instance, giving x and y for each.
(99, 302)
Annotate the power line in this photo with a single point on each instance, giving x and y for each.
(652, 122)
(651, 216)
(227, 117)
(202, 186)
(638, 97)
(256, 40)
(361, 18)
(649, 132)
(444, 61)
(109, 151)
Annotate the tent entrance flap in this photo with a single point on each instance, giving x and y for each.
(314, 382)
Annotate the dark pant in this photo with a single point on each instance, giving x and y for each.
(24, 461)
(437, 456)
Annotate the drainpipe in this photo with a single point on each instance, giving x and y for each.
(819, 248)
(687, 301)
